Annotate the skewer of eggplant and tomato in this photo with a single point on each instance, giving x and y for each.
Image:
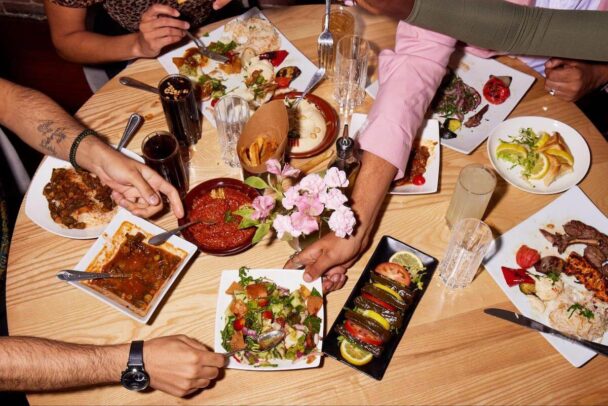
(378, 312)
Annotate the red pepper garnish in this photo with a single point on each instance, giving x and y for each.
(283, 82)
(214, 102)
(275, 57)
(514, 277)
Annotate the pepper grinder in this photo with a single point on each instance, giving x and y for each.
(347, 159)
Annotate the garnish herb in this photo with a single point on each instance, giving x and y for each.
(244, 278)
(553, 276)
(582, 310)
(228, 217)
(418, 279)
(221, 47)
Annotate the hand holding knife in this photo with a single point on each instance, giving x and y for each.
(205, 51)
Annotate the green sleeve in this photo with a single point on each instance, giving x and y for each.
(503, 26)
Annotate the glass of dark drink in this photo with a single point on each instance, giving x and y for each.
(161, 153)
(178, 99)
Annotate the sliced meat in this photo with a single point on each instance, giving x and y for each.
(597, 258)
(560, 241)
(588, 275)
(475, 119)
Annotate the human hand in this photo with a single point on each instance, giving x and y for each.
(572, 79)
(158, 28)
(217, 4)
(179, 365)
(331, 256)
(135, 186)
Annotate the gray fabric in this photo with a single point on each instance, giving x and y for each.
(506, 27)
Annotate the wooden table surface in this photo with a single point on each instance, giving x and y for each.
(451, 352)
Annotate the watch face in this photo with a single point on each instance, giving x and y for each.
(135, 379)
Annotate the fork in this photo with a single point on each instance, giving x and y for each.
(325, 42)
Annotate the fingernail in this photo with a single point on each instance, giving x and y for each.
(307, 278)
(187, 26)
(153, 200)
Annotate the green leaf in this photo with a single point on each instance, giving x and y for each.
(262, 230)
(228, 217)
(247, 222)
(313, 323)
(315, 292)
(256, 182)
(244, 211)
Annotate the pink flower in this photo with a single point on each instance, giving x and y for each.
(304, 223)
(333, 198)
(313, 183)
(274, 166)
(335, 178)
(291, 195)
(342, 222)
(262, 205)
(282, 225)
(310, 205)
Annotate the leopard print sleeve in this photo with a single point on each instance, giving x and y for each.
(76, 3)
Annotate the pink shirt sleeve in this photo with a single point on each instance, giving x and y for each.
(409, 77)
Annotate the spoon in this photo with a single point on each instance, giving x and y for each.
(266, 341)
(128, 81)
(135, 121)
(316, 78)
(69, 275)
(162, 237)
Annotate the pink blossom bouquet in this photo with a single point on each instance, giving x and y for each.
(299, 210)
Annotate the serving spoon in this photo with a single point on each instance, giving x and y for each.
(266, 341)
(69, 275)
(162, 237)
(135, 121)
(128, 81)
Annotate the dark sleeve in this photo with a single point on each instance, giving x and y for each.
(502, 26)
(77, 3)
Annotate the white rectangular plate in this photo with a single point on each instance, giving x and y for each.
(557, 213)
(37, 207)
(295, 58)
(96, 248)
(475, 72)
(429, 133)
(288, 278)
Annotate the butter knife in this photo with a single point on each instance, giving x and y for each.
(534, 325)
(205, 51)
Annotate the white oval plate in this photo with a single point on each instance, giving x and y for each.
(575, 141)
(37, 207)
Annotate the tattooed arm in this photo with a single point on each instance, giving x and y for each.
(46, 127)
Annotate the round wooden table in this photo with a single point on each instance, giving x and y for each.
(450, 353)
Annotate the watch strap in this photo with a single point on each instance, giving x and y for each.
(136, 354)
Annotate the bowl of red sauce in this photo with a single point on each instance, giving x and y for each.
(213, 203)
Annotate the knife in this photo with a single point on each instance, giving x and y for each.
(70, 275)
(205, 51)
(534, 325)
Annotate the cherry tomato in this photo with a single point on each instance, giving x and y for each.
(526, 257)
(281, 321)
(283, 82)
(361, 333)
(495, 91)
(267, 314)
(238, 324)
(379, 302)
(418, 180)
(262, 302)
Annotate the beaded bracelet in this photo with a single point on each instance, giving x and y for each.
(76, 143)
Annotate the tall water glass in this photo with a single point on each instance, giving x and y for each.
(468, 245)
(231, 115)
(341, 24)
(473, 191)
(350, 77)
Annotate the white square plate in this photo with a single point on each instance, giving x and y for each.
(557, 212)
(288, 278)
(37, 207)
(295, 58)
(475, 72)
(104, 242)
(428, 134)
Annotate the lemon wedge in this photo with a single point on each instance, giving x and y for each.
(408, 260)
(561, 155)
(354, 354)
(377, 317)
(541, 168)
(542, 140)
(511, 152)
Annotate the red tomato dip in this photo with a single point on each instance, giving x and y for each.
(217, 207)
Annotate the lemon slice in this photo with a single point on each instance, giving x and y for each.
(377, 317)
(541, 168)
(354, 354)
(560, 154)
(542, 140)
(388, 290)
(511, 152)
(410, 261)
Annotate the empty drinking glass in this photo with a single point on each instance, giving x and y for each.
(468, 245)
(350, 76)
(231, 115)
(472, 194)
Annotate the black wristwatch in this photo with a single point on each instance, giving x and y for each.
(135, 376)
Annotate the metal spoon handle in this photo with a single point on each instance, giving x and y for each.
(316, 78)
(128, 81)
(135, 121)
(162, 237)
(71, 275)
